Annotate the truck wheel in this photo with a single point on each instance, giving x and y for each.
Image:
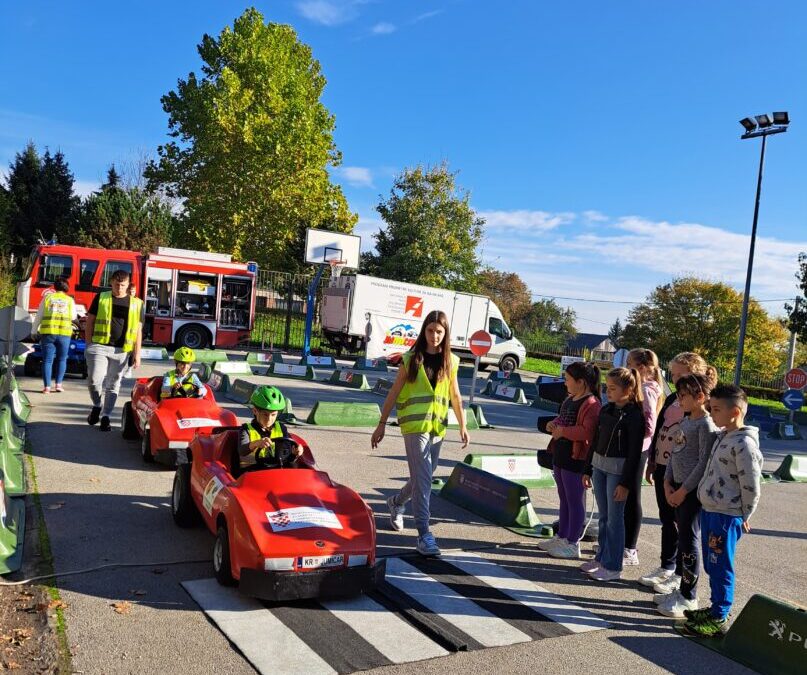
(221, 557)
(182, 507)
(145, 448)
(509, 362)
(128, 427)
(193, 336)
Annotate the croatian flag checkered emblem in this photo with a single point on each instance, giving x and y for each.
(280, 518)
(511, 465)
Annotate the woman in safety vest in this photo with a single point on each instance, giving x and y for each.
(113, 331)
(425, 387)
(54, 323)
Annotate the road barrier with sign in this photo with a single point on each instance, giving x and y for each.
(318, 361)
(263, 358)
(240, 391)
(382, 386)
(377, 365)
(208, 355)
(289, 370)
(336, 414)
(153, 354)
(347, 378)
(509, 393)
(519, 467)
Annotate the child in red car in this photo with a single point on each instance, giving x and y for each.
(257, 440)
(181, 382)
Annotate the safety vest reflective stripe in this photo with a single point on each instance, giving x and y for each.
(57, 315)
(103, 321)
(425, 407)
(172, 381)
(275, 432)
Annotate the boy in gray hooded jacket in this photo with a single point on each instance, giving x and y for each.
(729, 492)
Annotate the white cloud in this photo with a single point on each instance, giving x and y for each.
(427, 15)
(327, 12)
(592, 217)
(383, 28)
(84, 188)
(357, 176)
(524, 220)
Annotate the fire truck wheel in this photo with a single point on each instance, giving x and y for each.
(193, 336)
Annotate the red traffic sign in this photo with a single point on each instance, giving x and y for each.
(796, 379)
(480, 343)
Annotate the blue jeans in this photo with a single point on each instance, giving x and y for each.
(611, 536)
(720, 535)
(54, 347)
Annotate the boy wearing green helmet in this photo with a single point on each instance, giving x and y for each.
(181, 382)
(257, 438)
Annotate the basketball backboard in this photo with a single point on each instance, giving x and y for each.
(323, 247)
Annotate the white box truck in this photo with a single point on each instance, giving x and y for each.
(385, 316)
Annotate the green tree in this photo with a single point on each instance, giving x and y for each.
(691, 314)
(508, 291)
(253, 143)
(547, 319)
(113, 180)
(431, 232)
(5, 211)
(125, 219)
(615, 333)
(797, 312)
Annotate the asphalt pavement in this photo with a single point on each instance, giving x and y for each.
(103, 505)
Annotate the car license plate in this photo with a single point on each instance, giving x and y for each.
(317, 561)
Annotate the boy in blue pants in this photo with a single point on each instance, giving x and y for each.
(729, 493)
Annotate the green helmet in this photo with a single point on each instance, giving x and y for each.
(184, 355)
(268, 398)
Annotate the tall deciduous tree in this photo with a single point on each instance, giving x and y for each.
(508, 291)
(797, 312)
(252, 146)
(546, 320)
(691, 314)
(431, 232)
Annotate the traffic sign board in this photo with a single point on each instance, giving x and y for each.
(796, 378)
(793, 399)
(480, 343)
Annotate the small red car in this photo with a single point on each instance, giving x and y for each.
(281, 533)
(166, 426)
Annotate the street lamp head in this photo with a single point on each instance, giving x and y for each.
(781, 118)
(748, 123)
(764, 120)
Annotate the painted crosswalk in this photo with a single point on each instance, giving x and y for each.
(426, 608)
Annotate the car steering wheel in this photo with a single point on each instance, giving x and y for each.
(183, 392)
(284, 452)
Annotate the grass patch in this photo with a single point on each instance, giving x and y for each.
(64, 656)
(543, 366)
(775, 406)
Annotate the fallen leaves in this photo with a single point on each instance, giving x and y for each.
(17, 636)
(122, 607)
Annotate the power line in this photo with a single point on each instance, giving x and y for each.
(643, 302)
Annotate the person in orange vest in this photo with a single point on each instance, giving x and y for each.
(54, 323)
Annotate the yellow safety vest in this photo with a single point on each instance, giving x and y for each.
(57, 316)
(423, 409)
(275, 432)
(172, 380)
(103, 321)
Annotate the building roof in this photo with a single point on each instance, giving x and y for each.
(589, 341)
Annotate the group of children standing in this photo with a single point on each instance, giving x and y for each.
(704, 463)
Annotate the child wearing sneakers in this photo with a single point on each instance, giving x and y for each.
(572, 433)
(729, 492)
(612, 467)
(684, 471)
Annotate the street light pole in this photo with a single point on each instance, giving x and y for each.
(738, 368)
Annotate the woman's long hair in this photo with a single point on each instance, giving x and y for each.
(419, 348)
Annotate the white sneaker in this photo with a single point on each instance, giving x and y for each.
(589, 566)
(656, 577)
(603, 574)
(548, 544)
(675, 604)
(672, 583)
(427, 545)
(396, 514)
(566, 551)
(630, 557)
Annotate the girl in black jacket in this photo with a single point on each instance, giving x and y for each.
(613, 467)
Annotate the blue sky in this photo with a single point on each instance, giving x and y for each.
(599, 140)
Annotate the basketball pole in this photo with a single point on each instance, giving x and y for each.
(309, 310)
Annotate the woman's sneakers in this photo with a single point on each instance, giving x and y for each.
(396, 514)
(565, 551)
(427, 545)
(547, 545)
(46, 390)
(59, 389)
(656, 577)
(630, 557)
(675, 604)
(670, 584)
(589, 566)
(604, 574)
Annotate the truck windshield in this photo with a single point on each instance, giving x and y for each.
(51, 267)
(498, 328)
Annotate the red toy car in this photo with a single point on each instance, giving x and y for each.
(281, 533)
(167, 426)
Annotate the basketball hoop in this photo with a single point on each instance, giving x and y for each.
(336, 268)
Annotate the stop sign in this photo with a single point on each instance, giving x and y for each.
(796, 378)
(481, 342)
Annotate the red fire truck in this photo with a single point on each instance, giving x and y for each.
(192, 298)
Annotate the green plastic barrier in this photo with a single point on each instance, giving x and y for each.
(219, 382)
(208, 355)
(786, 431)
(154, 354)
(494, 498)
(264, 358)
(335, 414)
(377, 365)
(20, 405)
(12, 530)
(506, 392)
(288, 416)
(519, 467)
(240, 391)
(12, 438)
(470, 420)
(382, 386)
(290, 370)
(793, 468)
(347, 378)
(480, 416)
(769, 636)
(317, 361)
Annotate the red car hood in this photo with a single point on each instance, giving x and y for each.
(294, 512)
(181, 418)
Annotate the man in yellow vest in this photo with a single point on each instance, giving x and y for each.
(54, 323)
(113, 332)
